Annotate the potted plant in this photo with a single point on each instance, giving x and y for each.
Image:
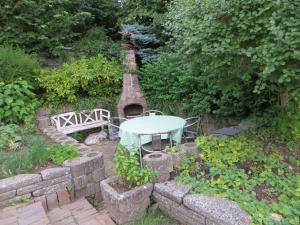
(127, 196)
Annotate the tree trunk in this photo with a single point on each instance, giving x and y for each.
(284, 97)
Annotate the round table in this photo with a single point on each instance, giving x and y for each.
(138, 131)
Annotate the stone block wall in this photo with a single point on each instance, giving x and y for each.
(43, 186)
(192, 209)
(87, 170)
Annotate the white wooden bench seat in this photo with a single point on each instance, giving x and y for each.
(77, 121)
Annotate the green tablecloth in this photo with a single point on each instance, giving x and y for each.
(131, 130)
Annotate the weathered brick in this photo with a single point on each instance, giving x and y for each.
(43, 200)
(8, 195)
(98, 175)
(43, 184)
(52, 201)
(80, 182)
(63, 196)
(51, 173)
(51, 189)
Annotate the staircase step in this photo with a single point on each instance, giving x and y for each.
(80, 212)
(32, 214)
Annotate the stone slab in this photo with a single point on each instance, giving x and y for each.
(51, 173)
(220, 211)
(8, 195)
(51, 189)
(43, 184)
(52, 201)
(178, 211)
(172, 190)
(15, 182)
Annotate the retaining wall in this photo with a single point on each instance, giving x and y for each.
(192, 209)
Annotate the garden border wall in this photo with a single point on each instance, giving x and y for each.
(193, 209)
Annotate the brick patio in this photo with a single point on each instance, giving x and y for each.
(80, 212)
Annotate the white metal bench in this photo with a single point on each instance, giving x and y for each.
(77, 121)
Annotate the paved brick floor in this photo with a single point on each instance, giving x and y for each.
(33, 214)
(80, 212)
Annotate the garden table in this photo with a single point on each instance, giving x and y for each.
(138, 131)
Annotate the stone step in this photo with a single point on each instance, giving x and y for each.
(80, 212)
(31, 214)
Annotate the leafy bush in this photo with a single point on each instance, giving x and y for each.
(17, 102)
(129, 170)
(33, 154)
(96, 76)
(51, 26)
(15, 64)
(10, 137)
(242, 170)
(59, 153)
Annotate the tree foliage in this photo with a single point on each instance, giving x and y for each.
(238, 41)
(232, 57)
(52, 25)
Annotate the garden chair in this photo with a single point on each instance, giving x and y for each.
(158, 142)
(191, 129)
(153, 112)
(114, 127)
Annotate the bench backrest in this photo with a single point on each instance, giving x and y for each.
(74, 119)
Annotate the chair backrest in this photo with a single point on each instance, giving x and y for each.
(153, 112)
(73, 119)
(192, 123)
(156, 142)
(116, 121)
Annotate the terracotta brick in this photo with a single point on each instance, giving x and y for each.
(63, 197)
(43, 200)
(52, 201)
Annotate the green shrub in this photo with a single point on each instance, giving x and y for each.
(17, 102)
(15, 64)
(32, 154)
(59, 153)
(96, 76)
(129, 170)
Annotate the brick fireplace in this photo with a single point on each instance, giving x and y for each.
(132, 102)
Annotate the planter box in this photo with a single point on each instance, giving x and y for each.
(127, 206)
(178, 157)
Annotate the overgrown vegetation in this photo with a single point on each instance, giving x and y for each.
(16, 64)
(60, 153)
(155, 218)
(22, 149)
(254, 173)
(129, 169)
